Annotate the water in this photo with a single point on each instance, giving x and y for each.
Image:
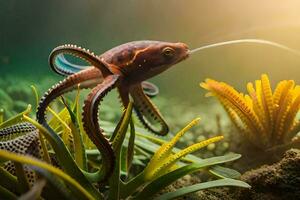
(31, 29)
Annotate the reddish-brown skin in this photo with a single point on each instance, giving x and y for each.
(123, 67)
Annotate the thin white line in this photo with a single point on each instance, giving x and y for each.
(255, 41)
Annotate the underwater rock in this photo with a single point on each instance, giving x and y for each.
(278, 181)
(252, 157)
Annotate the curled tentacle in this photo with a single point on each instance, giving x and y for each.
(83, 79)
(91, 124)
(61, 66)
(86, 78)
(150, 89)
(147, 113)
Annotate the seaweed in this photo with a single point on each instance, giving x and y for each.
(165, 163)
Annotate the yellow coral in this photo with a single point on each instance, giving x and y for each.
(164, 158)
(267, 119)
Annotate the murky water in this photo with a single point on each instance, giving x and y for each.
(31, 29)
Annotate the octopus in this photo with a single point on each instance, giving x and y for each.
(124, 68)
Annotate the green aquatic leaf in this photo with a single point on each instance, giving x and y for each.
(65, 158)
(121, 128)
(58, 120)
(170, 162)
(130, 149)
(6, 194)
(224, 172)
(56, 188)
(1, 115)
(79, 150)
(45, 155)
(152, 148)
(120, 132)
(200, 186)
(34, 162)
(167, 179)
(77, 109)
(23, 183)
(36, 95)
(16, 119)
(123, 161)
(60, 124)
(8, 181)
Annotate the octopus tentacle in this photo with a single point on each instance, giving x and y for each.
(92, 127)
(86, 79)
(150, 89)
(63, 67)
(146, 111)
(124, 95)
(66, 68)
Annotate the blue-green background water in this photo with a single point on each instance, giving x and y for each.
(31, 29)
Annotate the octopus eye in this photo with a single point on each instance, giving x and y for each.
(168, 52)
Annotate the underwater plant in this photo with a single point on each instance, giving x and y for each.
(28, 166)
(267, 119)
(15, 93)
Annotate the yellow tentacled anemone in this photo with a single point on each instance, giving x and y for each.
(265, 118)
(164, 159)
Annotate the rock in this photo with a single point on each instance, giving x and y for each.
(252, 157)
(278, 181)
